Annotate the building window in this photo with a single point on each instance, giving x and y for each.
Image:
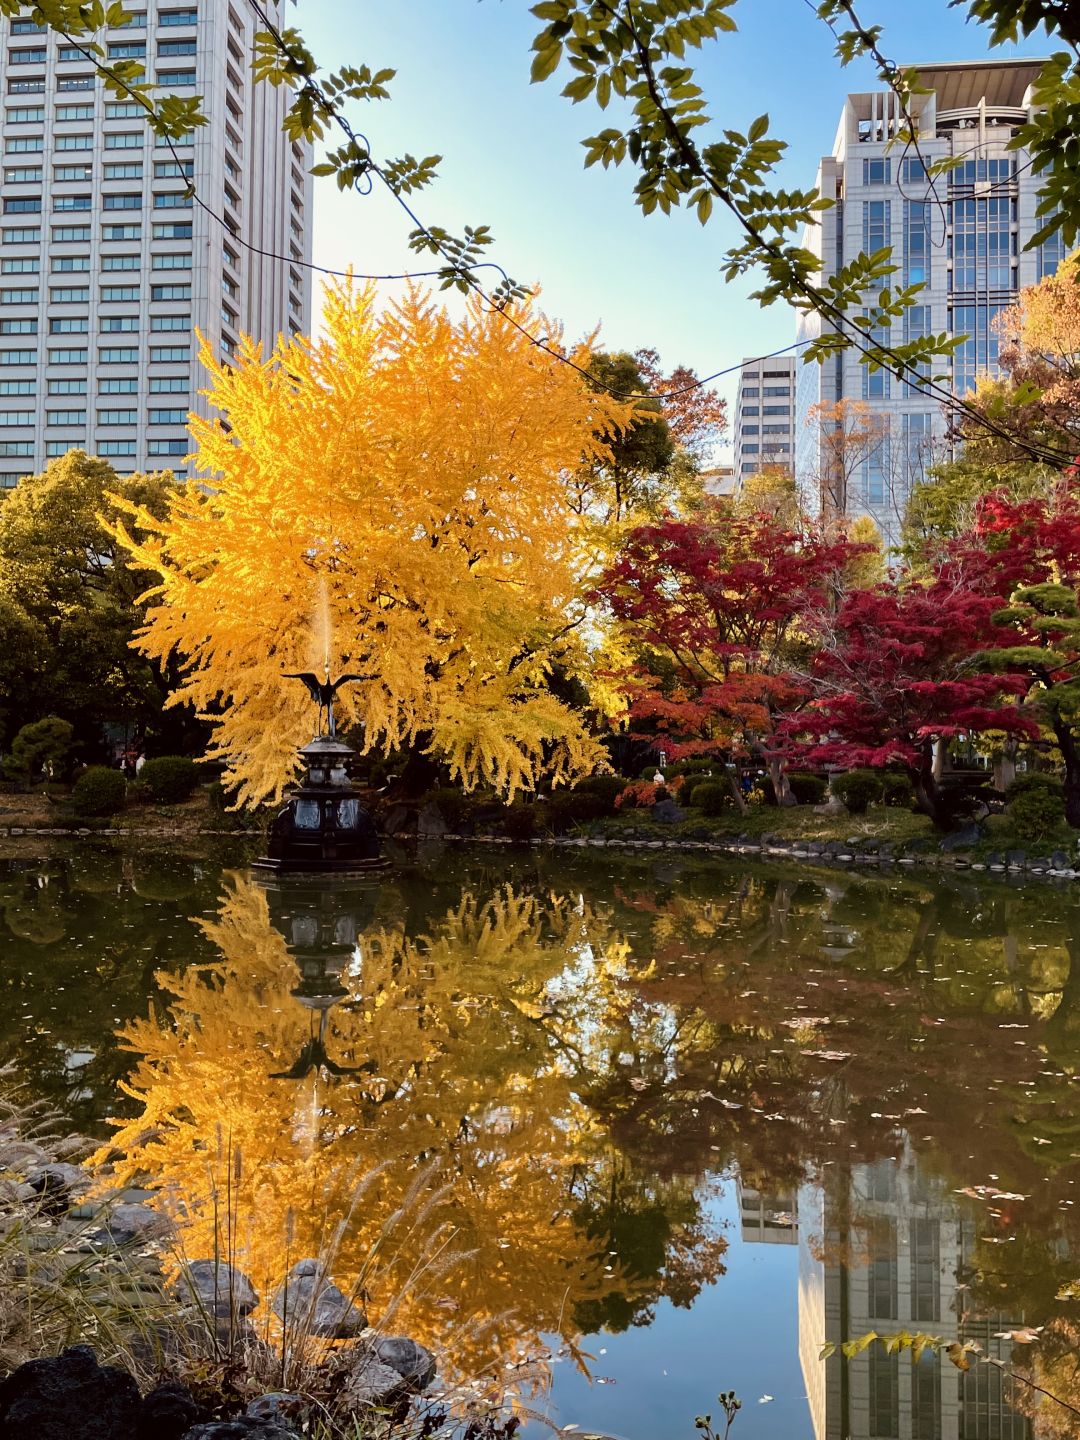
(18, 387)
(63, 234)
(168, 447)
(128, 50)
(877, 478)
(55, 448)
(170, 322)
(20, 265)
(130, 170)
(69, 295)
(70, 202)
(67, 53)
(26, 87)
(30, 55)
(22, 175)
(119, 386)
(18, 327)
(124, 140)
(23, 205)
(114, 324)
(75, 82)
(168, 417)
(18, 297)
(110, 294)
(10, 418)
(884, 1393)
(116, 447)
(67, 387)
(67, 113)
(123, 110)
(16, 447)
(121, 262)
(130, 201)
(917, 220)
(18, 357)
(121, 232)
(68, 357)
(22, 235)
(69, 325)
(172, 200)
(176, 47)
(877, 224)
(65, 417)
(175, 79)
(118, 355)
(170, 292)
(24, 144)
(174, 169)
(170, 262)
(178, 17)
(876, 172)
(74, 142)
(168, 384)
(25, 115)
(73, 172)
(977, 353)
(117, 417)
(776, 410)
(1052, 251)
(179, 231)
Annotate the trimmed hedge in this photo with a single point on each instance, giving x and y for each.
(99, 791)
(1035, 805)
(712, 796)
(857, 789)
(808, 789)
(169, 779)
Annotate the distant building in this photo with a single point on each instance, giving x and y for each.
(765, 416)
(720, 480)
(767, 1219)
(963, 235)
(107, 264)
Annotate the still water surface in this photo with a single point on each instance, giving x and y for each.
(627, 1132)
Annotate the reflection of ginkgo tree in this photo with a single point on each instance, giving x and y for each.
(455, 1129)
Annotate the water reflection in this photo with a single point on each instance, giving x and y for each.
(553, 1072)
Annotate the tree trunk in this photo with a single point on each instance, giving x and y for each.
(1005, 766)
(941, 751)
(1071, 757)
(732, 773)
(928, 793)
(780, 783)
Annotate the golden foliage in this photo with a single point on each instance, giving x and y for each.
(407, 474)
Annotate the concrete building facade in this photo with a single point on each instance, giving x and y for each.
(107, 265)
(764, 416)
(961, 235)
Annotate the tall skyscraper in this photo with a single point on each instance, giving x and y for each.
(962, 234)
(107, 265)
(765, 416)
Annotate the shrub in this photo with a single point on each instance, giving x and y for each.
(41, 745)
(808, 789)
(170, 778)
(572, 807)
(99, 791)
(607, 788)
(519, 822)
(453, 805)
(1035, 805)
(897, 790)
(712, 796)
(639, 795)
(857, 789)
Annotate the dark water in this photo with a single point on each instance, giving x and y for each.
(623, 1133)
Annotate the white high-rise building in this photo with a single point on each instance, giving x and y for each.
(107, 265)
(961, 234)
(764, 416)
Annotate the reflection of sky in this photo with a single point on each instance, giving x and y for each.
(741, 1334)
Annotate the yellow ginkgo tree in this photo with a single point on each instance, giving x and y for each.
(390, 499)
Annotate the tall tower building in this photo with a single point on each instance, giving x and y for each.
(107, 266)
(764, 416)
(961, 234)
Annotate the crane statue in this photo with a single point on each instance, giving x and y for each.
(323, 692)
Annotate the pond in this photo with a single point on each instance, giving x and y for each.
(620, 1132)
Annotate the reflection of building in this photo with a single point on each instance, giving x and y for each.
(767, 1219)
(880, 1249)
(962, 237)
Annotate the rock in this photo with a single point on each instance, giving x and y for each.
(243, 1428)
(1061, 860)
(68, 1397)
(962, 839)
(369, 1382)
(22, 1155)
(430, 820)
(166, 1413)
(279, 1405)
(310, 1301)
(397, 819)
(1016, 859)
(413, 1362)
(217, 1288)
(666, 812)
(57, 1186)
(129, 1224)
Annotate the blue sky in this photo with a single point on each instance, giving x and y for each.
(513, 158)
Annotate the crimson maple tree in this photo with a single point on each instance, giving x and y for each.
(710, 607)
(895, 671)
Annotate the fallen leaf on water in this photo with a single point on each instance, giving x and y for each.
(1038, 1140)
(636, 1083)
(829, 1054)
(764, 1400)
